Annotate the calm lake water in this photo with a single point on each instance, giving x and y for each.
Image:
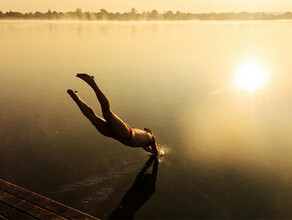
(227, 148)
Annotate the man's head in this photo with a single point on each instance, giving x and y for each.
(148, 130)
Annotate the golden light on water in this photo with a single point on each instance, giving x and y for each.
(251, 75)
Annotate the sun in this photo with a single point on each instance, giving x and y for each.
(251, 75)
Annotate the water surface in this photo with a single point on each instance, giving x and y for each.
(228, 150)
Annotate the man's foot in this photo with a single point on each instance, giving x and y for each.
(86, 78)
(74, 94)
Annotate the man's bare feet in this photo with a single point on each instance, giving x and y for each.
(86, 78)
(74, 94)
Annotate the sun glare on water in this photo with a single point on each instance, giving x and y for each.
(251, 75)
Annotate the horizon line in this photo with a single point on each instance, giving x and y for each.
(160, 11)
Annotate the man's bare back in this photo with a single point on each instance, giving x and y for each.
(112, 126)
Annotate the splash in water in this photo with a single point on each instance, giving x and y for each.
(163, 151)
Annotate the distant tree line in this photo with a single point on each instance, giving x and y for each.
(145, 15)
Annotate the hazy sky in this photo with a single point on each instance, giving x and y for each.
(140, 5)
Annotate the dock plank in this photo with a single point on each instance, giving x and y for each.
(43, 202)
(13, 213)
(2, 217)
(27, 207)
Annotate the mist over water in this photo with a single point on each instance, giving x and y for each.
(227, 150)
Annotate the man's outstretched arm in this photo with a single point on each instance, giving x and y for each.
(148, 149)
(154, 146)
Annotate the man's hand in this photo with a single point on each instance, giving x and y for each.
(153, 148)
(148, 149)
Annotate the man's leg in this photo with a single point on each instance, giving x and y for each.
(118, 127)
(100, 124)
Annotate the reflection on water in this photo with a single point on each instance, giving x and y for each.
(230, 148)
(139, 193)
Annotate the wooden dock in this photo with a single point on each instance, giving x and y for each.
(19, 203)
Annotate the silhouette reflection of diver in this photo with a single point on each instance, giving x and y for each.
(112, 126)
(142, 189)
